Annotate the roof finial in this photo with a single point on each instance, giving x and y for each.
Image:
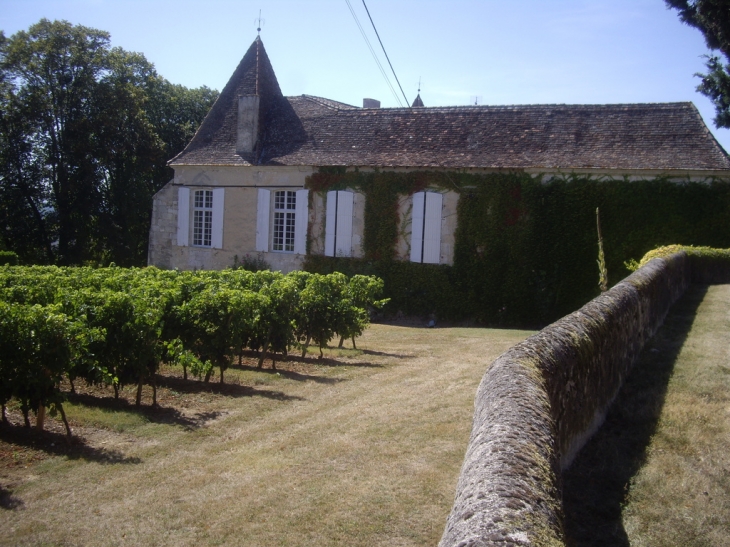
(419, 85)
(259, 23)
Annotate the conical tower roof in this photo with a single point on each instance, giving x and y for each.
(215, 140)
(417, 102)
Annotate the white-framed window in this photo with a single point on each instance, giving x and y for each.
(207, 213)
(286, 230)
(203, 218)
(338, 223)
(426, 227)
(285, 213)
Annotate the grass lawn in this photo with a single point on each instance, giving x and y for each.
(361, 448)
(658, 472)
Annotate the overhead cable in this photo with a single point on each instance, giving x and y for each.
(386, 54)
(372, 51)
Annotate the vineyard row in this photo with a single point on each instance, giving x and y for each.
(116, 326)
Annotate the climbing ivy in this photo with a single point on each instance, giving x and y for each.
(525, 246)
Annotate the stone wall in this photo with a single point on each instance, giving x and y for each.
(540, 401)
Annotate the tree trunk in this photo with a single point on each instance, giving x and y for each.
(273, 361)
(24, 409)
(5, 417)
(342, 341)
(353, 343)
(116, 391)
(185, 372)
(40, 417)
(208, 375)
(221, 367)
(263, 353)
(306, 345)
(138, 401)
(73, 388)
(65, 421)
(154, 390)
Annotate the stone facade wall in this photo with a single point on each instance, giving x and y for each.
(241, 186)
(239, 216)
(448, 227)
(539, 402)
(318, 217)
(163, 228)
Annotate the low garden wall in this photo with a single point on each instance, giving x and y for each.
(540, 401)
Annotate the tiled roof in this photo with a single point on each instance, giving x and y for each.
(314, 131)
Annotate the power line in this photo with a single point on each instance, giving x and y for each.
(386, 54)
(372, 51)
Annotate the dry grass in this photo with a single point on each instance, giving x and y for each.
(658, 472)
(363, 448)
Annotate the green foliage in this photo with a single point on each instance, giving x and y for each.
(251, 263)
(525, 248)
(85, 134)
(712, 18)
(602, 271)
(8, 257)
(702, 253)
(115, 325)
(35, 349)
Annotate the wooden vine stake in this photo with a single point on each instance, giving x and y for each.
(602, 271)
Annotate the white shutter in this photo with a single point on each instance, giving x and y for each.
(432, 229)
(417, 226)
(183, 216)
(329, 225)
(262, 220)
(301, 220)
(343, 244)
(216, 240)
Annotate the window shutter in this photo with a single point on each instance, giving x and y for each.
(262, 220)
(183, 215)
(343, 243)
(301, 220)
(216, 240)
(417, 227)
(432, 229)
(329, 225)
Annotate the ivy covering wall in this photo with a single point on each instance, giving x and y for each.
(526, 248)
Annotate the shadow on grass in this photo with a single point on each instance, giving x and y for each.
(58, 444)
(313, 358)
(385, 354)
(596, 486)
(229, 390)
(289, 374)
(172, 416)
(8, 501)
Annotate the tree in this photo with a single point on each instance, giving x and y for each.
(85, 134)
(712, 18)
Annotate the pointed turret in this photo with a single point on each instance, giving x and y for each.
(250, 107)
(417, 102)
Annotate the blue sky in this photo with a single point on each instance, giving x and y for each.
(517, 52)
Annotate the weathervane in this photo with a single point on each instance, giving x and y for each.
(259, 23)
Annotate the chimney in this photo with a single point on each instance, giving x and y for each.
(248, 123)
(370, 103)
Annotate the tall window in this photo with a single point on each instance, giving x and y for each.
(285, 204)
(203, 218)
